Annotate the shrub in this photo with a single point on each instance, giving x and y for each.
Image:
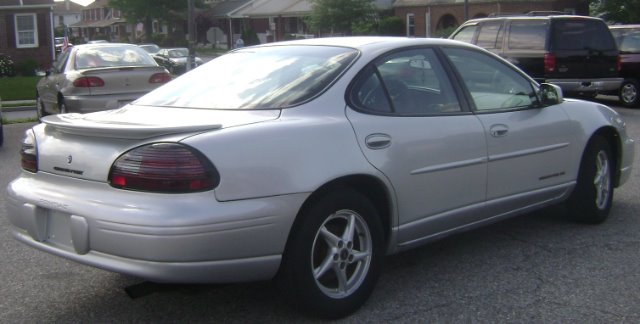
(27, 67)
(7, 67)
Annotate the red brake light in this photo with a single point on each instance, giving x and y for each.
(29, 153)
(549, 62)
(164, 167)
(88, 82)
(160, 78)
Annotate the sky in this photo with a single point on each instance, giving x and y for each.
(82, 2)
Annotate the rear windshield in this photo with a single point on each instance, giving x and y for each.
(256, 78)
(581, 34)
(111, 56)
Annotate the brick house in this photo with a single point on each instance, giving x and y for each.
(435, 18)
(99, 21)
(25, 31)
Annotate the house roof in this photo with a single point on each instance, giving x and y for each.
(227, 8)
(61, 8)
(267, 8)
(99, 23)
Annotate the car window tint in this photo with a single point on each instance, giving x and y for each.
(111, 56)
(628, 40)
(527, 34)
(492, 84)
(410, 82)
(61, 60)
(270, 77)
(465, 34)
(488, 35)
(581, 35)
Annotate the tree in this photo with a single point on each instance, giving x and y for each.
(340, 16)
(617, 11)
(146, 11)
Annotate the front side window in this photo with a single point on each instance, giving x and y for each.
(26, 29)
(466, 34)
(270, 77)
(493, 85)
(411, 82)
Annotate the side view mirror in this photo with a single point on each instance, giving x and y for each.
(550, 94)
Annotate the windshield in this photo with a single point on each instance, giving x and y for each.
(180, 52)
(256, 78)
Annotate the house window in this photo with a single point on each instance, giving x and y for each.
(26, 30)
(411, 28)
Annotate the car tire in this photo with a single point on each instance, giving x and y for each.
(629, 96)
(40, 110)
(591, 199)
(333, 256)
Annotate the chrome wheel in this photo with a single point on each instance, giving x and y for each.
(341, 254)
(602, 180)
(629, 93)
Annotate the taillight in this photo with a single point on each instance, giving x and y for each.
(549, 62)
(619, 64)
(29, 152)
(164, 167)
(88, 82)
(160, 78)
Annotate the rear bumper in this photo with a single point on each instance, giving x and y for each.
(587, 85)
(87, 104)
(187, 238)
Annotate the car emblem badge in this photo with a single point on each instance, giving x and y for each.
(69, 159)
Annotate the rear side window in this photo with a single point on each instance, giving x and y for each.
(528, 34)
(465, 34)
(574, 34)
(490, 36)
(628, 40)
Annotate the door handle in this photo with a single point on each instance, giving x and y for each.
(499, 130)
(378, 141)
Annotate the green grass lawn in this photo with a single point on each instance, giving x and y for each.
(18, 88)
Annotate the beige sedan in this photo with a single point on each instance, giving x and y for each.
(94, 77)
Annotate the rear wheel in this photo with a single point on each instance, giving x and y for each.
(334, 255)
(591, 199)
(629, 96)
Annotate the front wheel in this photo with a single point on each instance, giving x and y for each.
(629, 96)
(334, 255)
(591, 199)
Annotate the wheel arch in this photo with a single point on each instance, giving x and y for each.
(369, 186)
(610, 134)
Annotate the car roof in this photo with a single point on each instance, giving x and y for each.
(625, 26)
(368, 42)
(526, 17)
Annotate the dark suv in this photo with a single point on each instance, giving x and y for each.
(576, 53)
(628, 39)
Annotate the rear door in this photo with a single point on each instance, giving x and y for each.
(526, 44)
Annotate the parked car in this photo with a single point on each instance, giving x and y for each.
(575, 52)
(94, 77)
(628, 39)
(309, 161)
(59, 43)
(175, 59)
(150, 48)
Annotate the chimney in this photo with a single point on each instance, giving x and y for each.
(66, 4)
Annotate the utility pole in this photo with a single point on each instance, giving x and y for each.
(191, 31)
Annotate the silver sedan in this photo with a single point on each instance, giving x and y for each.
(94, 77)
(309, 161)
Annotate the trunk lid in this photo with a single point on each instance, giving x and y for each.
(85, 146)
(124, 79)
